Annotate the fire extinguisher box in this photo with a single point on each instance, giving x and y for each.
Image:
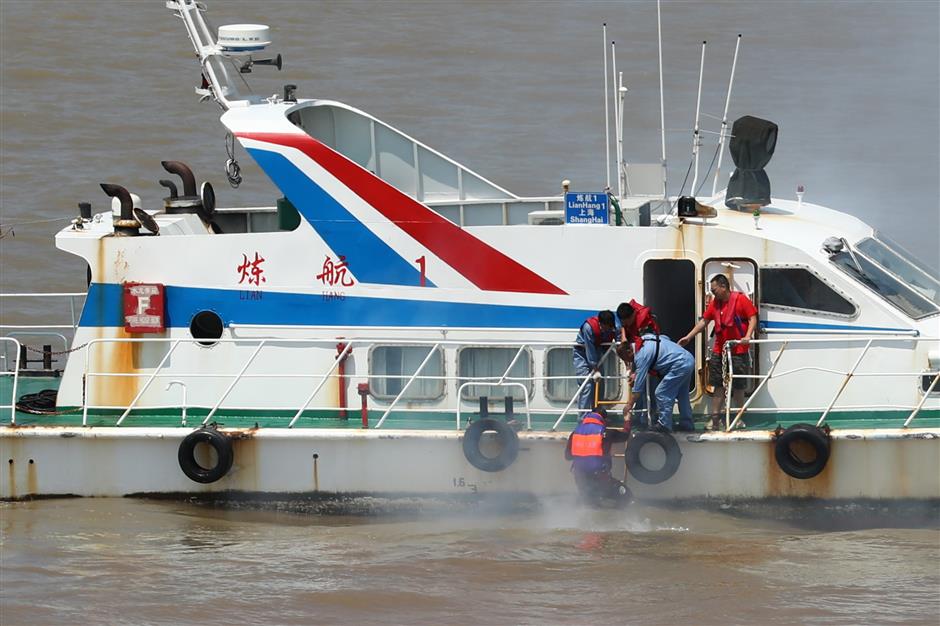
(144, 308)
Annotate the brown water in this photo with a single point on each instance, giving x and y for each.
(96, 92)
(117, 561)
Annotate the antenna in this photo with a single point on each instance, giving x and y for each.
(662, 110)
(724, 117)
(695, 132)
(617, 119)
(606, 113)
(621, 170)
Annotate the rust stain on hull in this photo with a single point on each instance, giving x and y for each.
(116, 358)
(32, 482)
(246, 470)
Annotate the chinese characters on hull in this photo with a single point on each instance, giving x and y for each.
(251, 274)
(334, 274)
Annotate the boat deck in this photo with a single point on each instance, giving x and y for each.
(406, 420)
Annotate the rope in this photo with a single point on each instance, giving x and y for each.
(232, 169)
(9, 226)
(705, 178)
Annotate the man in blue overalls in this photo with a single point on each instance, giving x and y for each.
(675, 366)
(594, 333)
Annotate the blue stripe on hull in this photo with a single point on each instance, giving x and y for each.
(808, 326)
(103, 307)
(370, 259)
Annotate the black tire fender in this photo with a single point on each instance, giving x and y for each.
(794, 464)
(508, 441)
(222, 445)
(643, 474)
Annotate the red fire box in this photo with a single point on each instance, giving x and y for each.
(144, 308)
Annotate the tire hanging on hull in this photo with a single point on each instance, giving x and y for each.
(222, 445)
(507, 441)
(644, 474)
(802, 450)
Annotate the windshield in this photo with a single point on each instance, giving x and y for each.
(895, 259)
(886, 284)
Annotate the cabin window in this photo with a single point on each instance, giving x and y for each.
(926, 380)
(884, 283)
(890, 256)
(493, 364)
(799, 288)
(391, 367)
(562, 383)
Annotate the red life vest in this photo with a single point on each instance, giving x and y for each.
(587, 440)
(600, 337)
(643, 319)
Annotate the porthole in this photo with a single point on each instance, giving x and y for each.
(206, 326)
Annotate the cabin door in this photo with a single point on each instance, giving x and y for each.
(669, 289)
(742, 274)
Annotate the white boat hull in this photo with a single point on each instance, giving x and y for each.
(57, 461)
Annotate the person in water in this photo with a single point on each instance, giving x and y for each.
(588, 449)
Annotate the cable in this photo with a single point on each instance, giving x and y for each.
(232, 168)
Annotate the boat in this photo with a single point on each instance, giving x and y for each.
(398, 325)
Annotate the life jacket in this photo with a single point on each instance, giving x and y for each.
(587, 440)
(644, 319)
(728, 319)
(600, 337)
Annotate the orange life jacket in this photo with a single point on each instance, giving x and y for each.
(587, 440)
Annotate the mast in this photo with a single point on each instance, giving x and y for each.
(606, 114)
(221, 85)
(695, 133)
(724, 117)
(662, 109)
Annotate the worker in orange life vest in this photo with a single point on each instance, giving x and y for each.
(588, 449)
(589, 348)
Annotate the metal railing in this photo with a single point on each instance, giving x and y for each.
(72, 297)
(846, 376)
(452, 399)
(14, 372)
(59, 331)
(161, 371)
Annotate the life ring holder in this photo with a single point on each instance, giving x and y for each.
(186, 456)
(508, 442)
(640, 439)
(794, 464)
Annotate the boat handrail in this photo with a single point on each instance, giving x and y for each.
(72, 296)
(503, 380)
(733, 414)
(14, 372)
(847, 376)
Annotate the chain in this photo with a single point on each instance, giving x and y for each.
(54, 352)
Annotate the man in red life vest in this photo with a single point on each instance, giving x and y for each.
(588, 449)
(735, 317)
(636, 319)
(589, 348)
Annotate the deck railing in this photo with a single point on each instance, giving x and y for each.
(460, 382)
(774, 360)
(59, 331)
(12, 371)
(865, 345)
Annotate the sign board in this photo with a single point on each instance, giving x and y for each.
(144, 309)
(586, 208)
